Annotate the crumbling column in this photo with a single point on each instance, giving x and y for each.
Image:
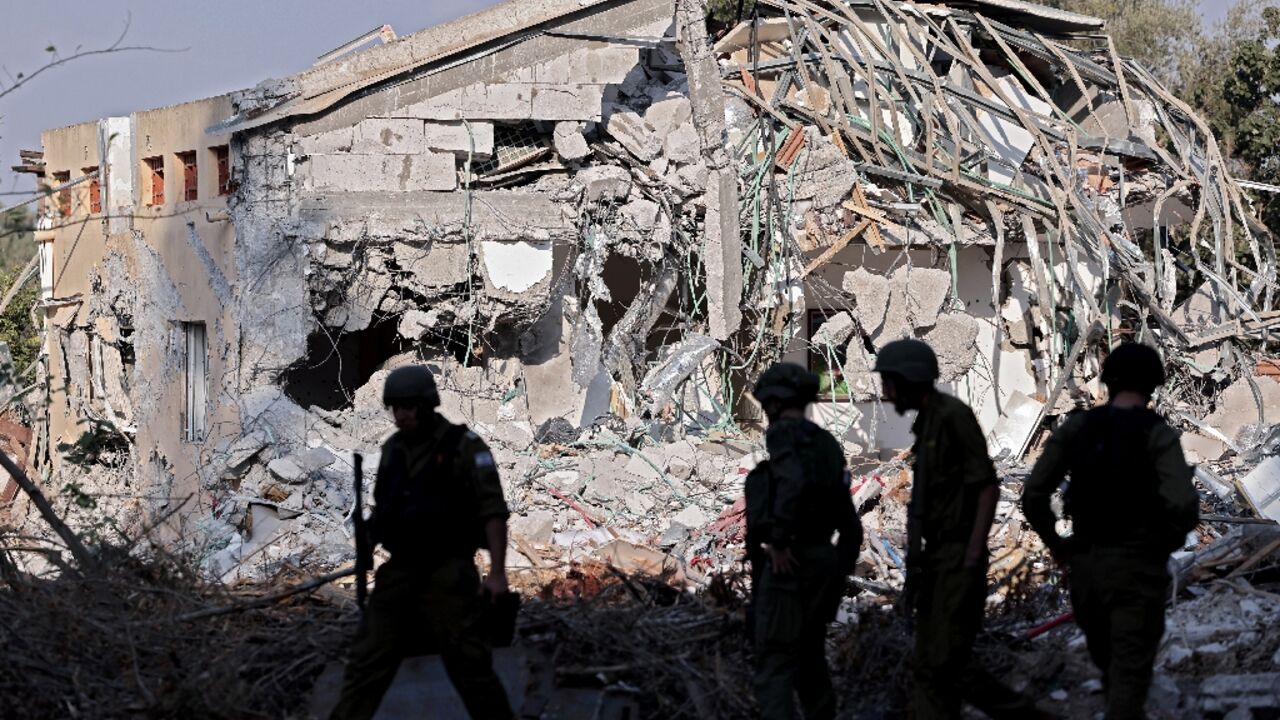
(722, 240)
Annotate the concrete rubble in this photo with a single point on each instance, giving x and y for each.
(600, 232)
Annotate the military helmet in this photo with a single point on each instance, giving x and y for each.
(1133, 366)
(412, 383)
(787, 382)
(914, 360)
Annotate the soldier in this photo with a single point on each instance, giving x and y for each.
(437, 500)
(953, 500)
(1131, 503)
(795, 501)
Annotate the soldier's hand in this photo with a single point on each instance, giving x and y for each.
(494, 585)
(782, 561)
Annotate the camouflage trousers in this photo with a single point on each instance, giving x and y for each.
(413, 612)
(791, 613)
(1119, 598)
(948, 616)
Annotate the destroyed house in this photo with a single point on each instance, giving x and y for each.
(599, 220)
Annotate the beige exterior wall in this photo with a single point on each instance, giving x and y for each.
(161, 266)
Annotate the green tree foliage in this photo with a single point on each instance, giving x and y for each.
(726, 11)
(16, 326)
(1161, 34)
(17, 241)
(1236, 86)
(17, 245)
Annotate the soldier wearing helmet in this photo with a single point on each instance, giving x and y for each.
(1131, 503)
(953, 499)
(796, 500)
(437, 500)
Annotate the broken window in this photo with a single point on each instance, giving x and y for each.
(222, 161)
(64, 196)
(197, 380)
(154, 178)
(190, 175)
(826, 360)
(95, 191)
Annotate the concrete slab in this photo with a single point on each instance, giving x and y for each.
(460, 138)
(382, 135)
(1262, 487)
(434, 264)
(567, 102)
(397, 173)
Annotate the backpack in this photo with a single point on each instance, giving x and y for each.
(1113, 496)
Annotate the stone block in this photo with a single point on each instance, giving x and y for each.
(870, 294)
(569, 141)
(633, 133)
(434, 264)
(601, 66)
(668, 113)
(834, 331)
(402, 136)
(414, 324)
(954, 339)
(605, 182)
(682, 145)
(641, 214)
(327, 143)
(459, 138)
(567, 102)
(403, 173)
(481, 101)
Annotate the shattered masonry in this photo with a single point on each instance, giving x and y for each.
(599, 224)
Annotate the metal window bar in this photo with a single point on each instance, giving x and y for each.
(196, 379)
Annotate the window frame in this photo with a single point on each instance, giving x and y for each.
(190, 166)
(195, 380)
(222, 168)
(155, 180)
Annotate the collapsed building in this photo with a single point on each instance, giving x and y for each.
(599, 220)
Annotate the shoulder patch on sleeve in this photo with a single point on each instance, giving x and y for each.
(483, 459)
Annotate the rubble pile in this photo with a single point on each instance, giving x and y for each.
(599, 220)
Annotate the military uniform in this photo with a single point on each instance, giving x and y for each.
(1131, 502)
(951, 469)
(436, 488)
(796, 500)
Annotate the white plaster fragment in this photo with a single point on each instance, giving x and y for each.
(517, 266)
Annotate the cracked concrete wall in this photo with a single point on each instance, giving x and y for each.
(116, 354)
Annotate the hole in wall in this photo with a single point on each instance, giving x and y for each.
(337, 363)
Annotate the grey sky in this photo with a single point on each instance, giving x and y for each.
(232, 44)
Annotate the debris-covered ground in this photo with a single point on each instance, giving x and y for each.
(598, 275)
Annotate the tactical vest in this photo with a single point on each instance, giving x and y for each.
(1113, 496)
(431, 515)
(816, 521)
